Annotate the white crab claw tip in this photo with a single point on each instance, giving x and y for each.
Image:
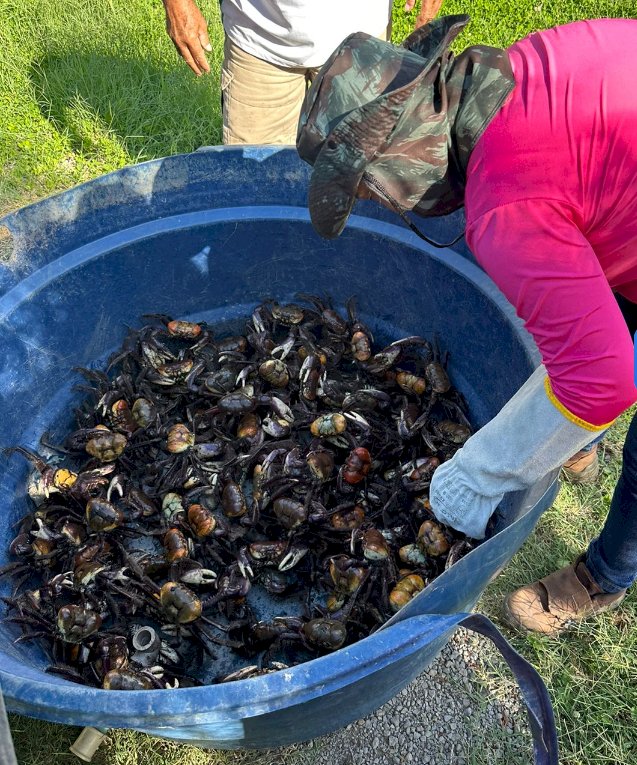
(356, 418)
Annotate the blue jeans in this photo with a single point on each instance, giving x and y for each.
(612, 557)
(594, 442)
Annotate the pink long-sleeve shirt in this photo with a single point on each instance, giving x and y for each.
(551, 207)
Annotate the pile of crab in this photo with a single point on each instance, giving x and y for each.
(232, 505)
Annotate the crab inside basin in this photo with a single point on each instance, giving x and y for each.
(207, 236)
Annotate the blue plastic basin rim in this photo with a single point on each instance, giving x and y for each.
(67, 262)
(260, 695)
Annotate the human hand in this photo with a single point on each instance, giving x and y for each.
(188, 30)
(428, 10)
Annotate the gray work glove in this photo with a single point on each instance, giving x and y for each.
(525, 441)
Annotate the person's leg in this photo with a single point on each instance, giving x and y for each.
(261, 101)
(612, 557)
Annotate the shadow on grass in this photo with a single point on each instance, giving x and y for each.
(126, 108)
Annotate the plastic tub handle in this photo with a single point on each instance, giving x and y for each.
(534, 691)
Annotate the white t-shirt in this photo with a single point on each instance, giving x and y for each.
(294, 33)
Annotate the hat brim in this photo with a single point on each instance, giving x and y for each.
(341, 164)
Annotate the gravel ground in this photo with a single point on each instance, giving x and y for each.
(457, 712)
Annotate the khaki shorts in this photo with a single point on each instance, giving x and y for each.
(261, 101)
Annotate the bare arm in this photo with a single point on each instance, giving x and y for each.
(428, 10)
(188, 30)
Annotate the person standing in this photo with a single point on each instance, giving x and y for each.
(272, 50)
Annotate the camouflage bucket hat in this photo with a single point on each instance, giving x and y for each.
(403, 121)
(351, 114)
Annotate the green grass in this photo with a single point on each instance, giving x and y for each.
(501, 22)
(88, 86)
(41, 743)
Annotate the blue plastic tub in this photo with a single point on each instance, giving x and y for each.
(207, 236)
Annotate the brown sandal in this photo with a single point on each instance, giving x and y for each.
(559, 601)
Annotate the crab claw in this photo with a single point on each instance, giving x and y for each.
(120, 575)
(357, 419)
(199, 576)
(189, 571)
(285, 348)
(281, 409)
(168, 653)
(309, 363)
(243, 375)
(104, 403)
(39, 487)
(243, 562)
(43, 532)
(115, 485)
(293, 556)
